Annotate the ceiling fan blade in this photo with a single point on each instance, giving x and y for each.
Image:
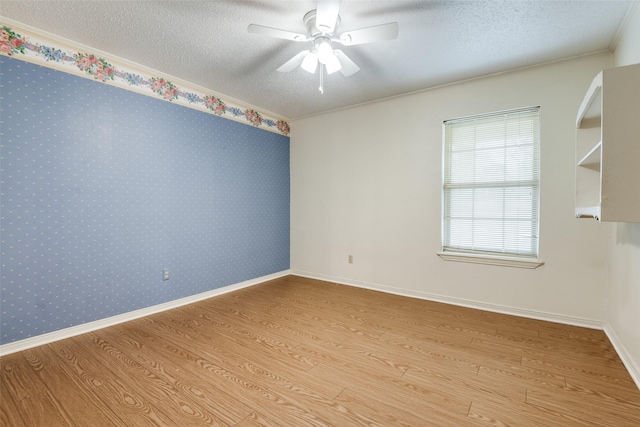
(275, 32)
(348, 66)
(327, 15)
(293, 63)
(370, 34)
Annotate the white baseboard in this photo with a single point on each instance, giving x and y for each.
(496, 308)
(47, 338)
(632, 367)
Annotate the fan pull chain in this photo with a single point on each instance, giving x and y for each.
(321, 79)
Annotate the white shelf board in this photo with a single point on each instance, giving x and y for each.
(592, 159)
(588, 212)
(590, 96)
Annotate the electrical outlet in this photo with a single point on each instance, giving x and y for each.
(165, 274)
(350, 259)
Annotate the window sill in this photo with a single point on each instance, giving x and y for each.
(503, 261)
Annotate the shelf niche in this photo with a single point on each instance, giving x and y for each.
(608, 147)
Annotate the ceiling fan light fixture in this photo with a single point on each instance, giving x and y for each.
(333, 64)
(310, 62)
(325, 51)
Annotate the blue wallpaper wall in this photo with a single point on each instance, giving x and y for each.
(103, 188)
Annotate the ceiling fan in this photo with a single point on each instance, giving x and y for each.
(321, 24)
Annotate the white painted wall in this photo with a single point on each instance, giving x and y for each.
(623, 284)
(366, 181)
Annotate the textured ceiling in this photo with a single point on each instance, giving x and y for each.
(207, 43)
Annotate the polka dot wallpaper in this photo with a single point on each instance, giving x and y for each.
(102, 188)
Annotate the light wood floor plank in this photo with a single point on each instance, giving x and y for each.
(302, 352)
(353, 356)
(577, 366)
(530, 379)
(397, 391)
(433, 356)
(83, 406)
(521, 414)
(620, 389)
(257, 420)
(43, 409)
(17, 379)
(397, 414)
(470, 387)
(577, 403)
(9, 412)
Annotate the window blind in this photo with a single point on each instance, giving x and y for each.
(491, 183)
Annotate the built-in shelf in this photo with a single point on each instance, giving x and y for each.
(608, 149)
(591, 106)
(588, 212)
(593, 158)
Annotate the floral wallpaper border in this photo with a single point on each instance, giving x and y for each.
(14, 44)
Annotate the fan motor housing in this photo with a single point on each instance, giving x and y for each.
(310, 22)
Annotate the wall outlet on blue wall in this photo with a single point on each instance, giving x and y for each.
(165, 274)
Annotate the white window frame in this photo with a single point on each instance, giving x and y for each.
(493, 256)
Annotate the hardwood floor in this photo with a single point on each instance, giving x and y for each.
(300, 352)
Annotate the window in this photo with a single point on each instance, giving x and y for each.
(491, 185)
